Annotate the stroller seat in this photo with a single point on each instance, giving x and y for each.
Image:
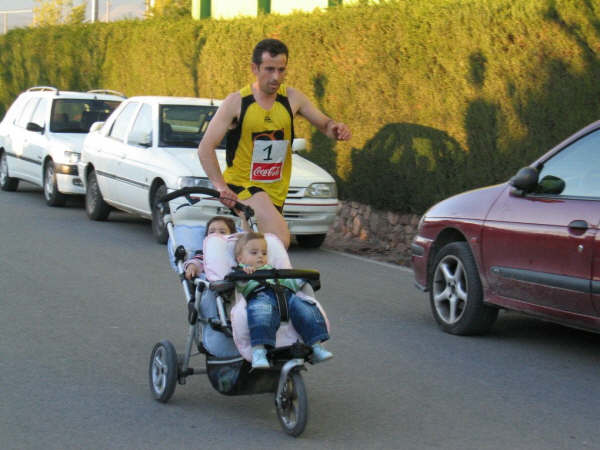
(219, 261)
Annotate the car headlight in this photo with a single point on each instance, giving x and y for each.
(194, 182)
(72, 157)
(321, 190)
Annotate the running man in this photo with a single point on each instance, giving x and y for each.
(259, 120)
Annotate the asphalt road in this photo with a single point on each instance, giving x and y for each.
(82, 304)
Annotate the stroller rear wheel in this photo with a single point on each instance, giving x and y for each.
(292, 405)
(163, 371)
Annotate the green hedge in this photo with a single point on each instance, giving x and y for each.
(441, 95)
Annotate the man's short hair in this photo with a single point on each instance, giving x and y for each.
(244, 239)
(273, 46)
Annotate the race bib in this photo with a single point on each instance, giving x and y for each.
(268, 157)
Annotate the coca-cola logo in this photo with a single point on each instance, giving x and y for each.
(261, 171)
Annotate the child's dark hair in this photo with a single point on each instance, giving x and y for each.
(227, 220)
(244, 239)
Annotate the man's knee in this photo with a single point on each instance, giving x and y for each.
(268, 218)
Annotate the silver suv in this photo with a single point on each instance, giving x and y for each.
(42, 134)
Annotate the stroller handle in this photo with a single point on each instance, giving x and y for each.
(265, 274)
(187, 191)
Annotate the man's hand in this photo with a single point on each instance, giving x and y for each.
(340, 131)
(227, 197)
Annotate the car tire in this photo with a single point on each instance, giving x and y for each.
(310, 240)
(159, 228)
(52, 195)
(6, 182)
(456, 293)
(95, 206)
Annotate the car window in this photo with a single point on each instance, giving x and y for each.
(575, 169)
(141, 132)
(26, 113)
(39, 115)
(121, 124)
(183, 125)
(76, 115)
(15, 109)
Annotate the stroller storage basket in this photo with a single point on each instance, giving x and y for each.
(234, 376)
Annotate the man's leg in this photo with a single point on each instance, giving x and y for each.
(268, 218)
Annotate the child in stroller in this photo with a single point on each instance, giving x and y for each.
(217, 225)
(269, 301)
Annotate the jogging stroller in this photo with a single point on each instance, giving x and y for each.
(216, 314)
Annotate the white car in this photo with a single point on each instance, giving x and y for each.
(148, 147)
(41, 137)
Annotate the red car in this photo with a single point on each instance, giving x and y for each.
(530, 244)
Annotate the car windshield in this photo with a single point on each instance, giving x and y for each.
(75, 115)
(184, 125)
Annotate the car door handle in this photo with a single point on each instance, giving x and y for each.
(579, 224)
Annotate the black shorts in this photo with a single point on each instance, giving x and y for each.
(253, 190)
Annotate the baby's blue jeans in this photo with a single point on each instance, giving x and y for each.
(264, 318)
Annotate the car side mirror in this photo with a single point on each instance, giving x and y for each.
(524, 181)
(96, 126)
(551, 185)
(299, 144)
(32, 126)
(141, 139)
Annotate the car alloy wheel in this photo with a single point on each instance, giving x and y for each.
(450, 289)
(95, 206)
(6, 183)
(51, 193)
(159, 227)
(456, 293)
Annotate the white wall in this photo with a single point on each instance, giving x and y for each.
(287, 6)
(227, 9)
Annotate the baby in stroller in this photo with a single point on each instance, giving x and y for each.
(270, 301)
(217, 225)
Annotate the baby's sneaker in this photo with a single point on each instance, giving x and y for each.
(259, 358)
(320, 354)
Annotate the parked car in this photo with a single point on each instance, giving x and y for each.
(41, 137)
(529, 245)
(148, 147)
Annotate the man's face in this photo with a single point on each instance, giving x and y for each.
(270, 73)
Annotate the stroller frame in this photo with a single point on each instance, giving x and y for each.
(233, 375)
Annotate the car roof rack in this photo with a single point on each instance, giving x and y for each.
(107, 91)
(42, 88)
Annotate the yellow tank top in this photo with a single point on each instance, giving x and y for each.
(259, 151)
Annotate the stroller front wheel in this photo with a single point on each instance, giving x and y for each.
(163, 371)
(292, 405)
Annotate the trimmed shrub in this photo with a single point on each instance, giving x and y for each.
(441, 95)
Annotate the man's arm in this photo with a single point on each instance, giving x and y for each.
(215, 132)
(329, 127)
